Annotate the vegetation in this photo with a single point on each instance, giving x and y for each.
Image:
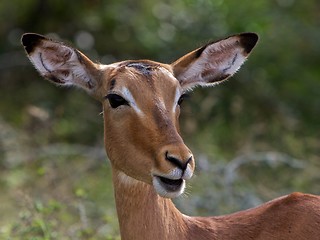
(255, 137)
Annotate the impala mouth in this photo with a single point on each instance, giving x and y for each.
(170, 184)
(167, 187)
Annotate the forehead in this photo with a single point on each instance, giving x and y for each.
(143, 75)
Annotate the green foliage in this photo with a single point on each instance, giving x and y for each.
(52, 190)
(59, 202)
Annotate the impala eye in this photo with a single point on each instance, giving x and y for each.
(115, 100)
(182, 98)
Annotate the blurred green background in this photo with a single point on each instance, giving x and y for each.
(255, 137)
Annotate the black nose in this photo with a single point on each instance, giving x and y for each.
(182, 164)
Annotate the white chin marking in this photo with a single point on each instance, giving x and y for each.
(164, 192)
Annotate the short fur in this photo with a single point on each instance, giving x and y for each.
(149, 159)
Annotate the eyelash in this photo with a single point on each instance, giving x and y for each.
(182, 98)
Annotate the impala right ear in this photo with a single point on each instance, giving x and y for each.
(60, 63)
(215, 62)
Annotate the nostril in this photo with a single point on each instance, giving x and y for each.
(177, 162)
(174, 160)
(188, 161)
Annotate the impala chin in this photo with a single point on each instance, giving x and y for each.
(168, 188)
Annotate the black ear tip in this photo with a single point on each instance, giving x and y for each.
(248, 41)
(30, 40)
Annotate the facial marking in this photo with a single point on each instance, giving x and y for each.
(176, 99)
(161, 106)
(143, 68)
(160, 116)
(128, 96)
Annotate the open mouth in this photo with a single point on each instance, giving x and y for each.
(168, 188)
(171, 185)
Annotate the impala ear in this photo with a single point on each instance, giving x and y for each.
(61, 64)
(214, 62)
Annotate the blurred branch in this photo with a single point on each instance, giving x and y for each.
(232, 170)
(272, 159)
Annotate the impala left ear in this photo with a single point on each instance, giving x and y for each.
(214, 62)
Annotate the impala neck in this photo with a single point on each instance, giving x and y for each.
(142, 213)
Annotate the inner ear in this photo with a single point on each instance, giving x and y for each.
(60, 63)
(214, 62)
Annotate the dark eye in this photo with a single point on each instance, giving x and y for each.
(183, 97)
(115, 100)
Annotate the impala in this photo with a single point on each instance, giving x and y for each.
(150, 162)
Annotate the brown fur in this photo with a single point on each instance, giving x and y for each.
(138, 143)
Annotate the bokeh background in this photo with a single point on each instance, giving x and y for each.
(255, 137)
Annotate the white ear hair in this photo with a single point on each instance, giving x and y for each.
(59, 63)
(214, 62)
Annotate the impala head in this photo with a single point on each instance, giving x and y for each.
(141, 102)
